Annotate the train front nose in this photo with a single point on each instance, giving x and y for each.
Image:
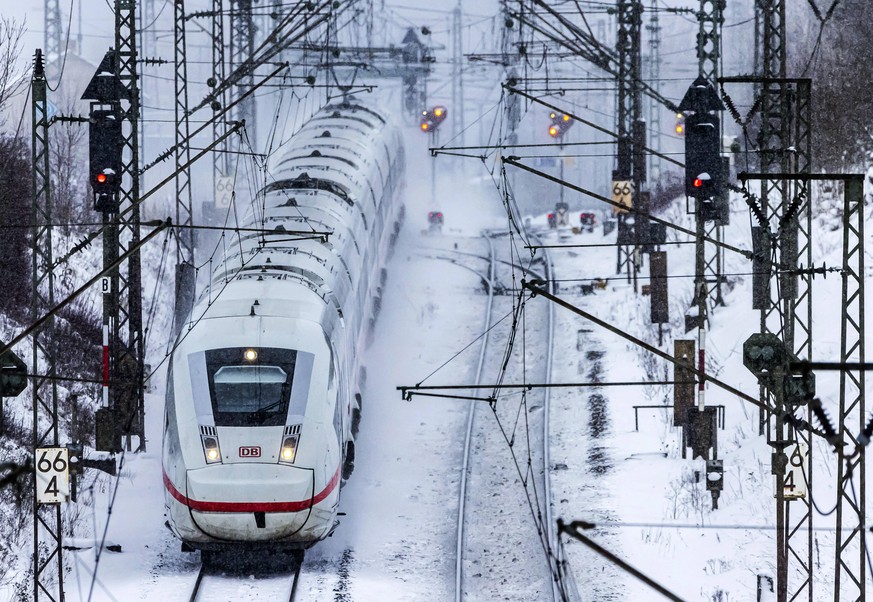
(251, 502)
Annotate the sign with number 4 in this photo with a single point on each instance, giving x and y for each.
(52, 475)
(794, 487)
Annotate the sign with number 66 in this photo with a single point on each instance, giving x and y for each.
(52, 475)
(622, 193)
(223, 191)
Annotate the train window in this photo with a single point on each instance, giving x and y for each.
(250, 386)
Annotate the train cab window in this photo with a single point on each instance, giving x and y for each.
(250, 386)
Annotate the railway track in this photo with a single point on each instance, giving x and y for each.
(489, 470)
(221, 587)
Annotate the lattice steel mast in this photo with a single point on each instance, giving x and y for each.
(53, 32)
(630, 160)
(850, 564)
(184, 209)
(48, 564)
(710, 19)
(654, 58)
(127, 352)
(242, 48)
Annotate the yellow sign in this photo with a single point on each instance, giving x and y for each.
(622, 193)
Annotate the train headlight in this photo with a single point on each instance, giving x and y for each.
(288, 453)
(250, 355)
(211, 449)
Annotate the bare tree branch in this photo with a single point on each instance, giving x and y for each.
(12, 69)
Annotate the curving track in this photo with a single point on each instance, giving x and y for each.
(506, 547)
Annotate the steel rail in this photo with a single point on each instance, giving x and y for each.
(295, 580)
(551, 535)
(468, 437)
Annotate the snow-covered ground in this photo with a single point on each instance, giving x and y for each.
(396, 540)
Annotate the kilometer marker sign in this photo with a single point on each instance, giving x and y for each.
(52, 475)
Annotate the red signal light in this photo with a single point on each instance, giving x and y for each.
(101, 178)
(698, 182)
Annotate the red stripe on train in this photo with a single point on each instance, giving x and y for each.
(205, 506)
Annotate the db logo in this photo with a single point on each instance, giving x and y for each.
(250, 451)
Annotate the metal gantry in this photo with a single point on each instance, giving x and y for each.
(48, 564)
(127, 352)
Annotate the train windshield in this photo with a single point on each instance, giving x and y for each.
(250, 386)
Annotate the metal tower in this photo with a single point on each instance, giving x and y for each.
(220, 167)
(53, 33)
(457, 76)
(785, 124)
(184, 217)
(710, 19)
(630, 160)
(242, 47)
(127, 351)
(850, 567)
(48, 563)
(655, 108)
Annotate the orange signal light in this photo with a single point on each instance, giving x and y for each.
(425, 127)
(438, 111)
(680, 129)
(566, 118)
(101, 178)
(553, 131)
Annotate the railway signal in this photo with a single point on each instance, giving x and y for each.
(764, 354)
(561, 122)
(704, 169)
(703, 165)
(432, 118)
(13, 374)
(104, 153)
(680, 124)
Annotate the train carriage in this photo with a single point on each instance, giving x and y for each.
(262, 401)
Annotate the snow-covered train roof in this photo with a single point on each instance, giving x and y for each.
(331, 177)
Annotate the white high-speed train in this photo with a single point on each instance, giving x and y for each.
(262, 396)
